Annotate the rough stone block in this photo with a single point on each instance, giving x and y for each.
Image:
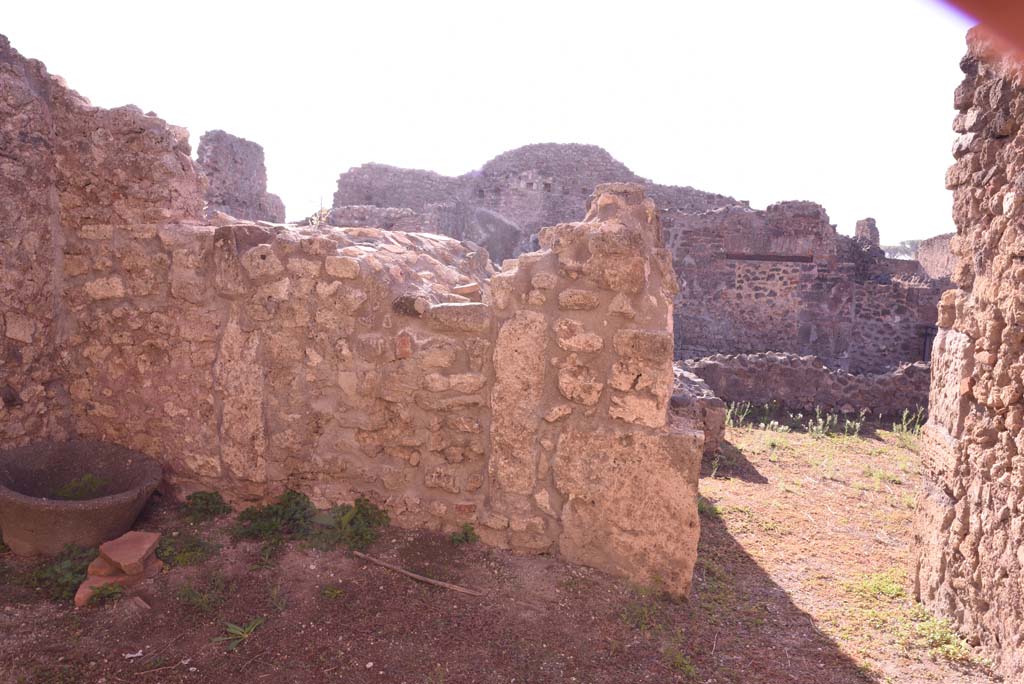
(631, 503)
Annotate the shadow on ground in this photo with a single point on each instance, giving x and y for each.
(730, 462)
(749, 628)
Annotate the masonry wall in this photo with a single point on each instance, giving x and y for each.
(783, 280)
(249, 358)
(804, 383)
(66, 164)
(936, 256)
(970, 526)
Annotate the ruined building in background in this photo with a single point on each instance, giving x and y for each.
(970, 526)
(237, 178)
(249, 358)
(783, 280)
(780, 280)
(934, 254)
(503, 204)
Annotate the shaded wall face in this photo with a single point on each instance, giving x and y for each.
(970, 531)
(30, 388)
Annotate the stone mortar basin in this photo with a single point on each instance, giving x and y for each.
(109, 485)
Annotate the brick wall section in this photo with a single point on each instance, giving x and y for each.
(969, 527)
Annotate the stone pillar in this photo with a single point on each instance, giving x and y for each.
(584, 456)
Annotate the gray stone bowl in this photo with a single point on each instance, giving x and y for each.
(82, 492)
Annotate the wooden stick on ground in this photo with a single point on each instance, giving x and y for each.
(418, 578)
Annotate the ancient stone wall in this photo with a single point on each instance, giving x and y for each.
(342, 362)
(237, 178)
(970, 527)
(803, 383)
(936, 256)
(783, 280)
(65, 166)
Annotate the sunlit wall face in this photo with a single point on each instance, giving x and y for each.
(844, 104)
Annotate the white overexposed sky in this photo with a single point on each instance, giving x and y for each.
(846, 104)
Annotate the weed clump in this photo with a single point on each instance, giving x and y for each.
(184, 549)
(205, 599)
(293, 516)
(87, 486)
(107, 593)
(290, 516)
(922, 630)
(356, 526)
(205, 506)
(59, 578)
(236, 635)
(467, 535)
(889, 584)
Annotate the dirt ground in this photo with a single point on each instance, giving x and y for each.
(802, 577)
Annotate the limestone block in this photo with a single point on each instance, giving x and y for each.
(631, 503)
(519, 366)
(651, 345)
(303, 268)
(571, 335)
(109, 287)
(469, 317)
(578, 382)
(578, 300)
(19, 327)
(261, 262)
(639, 409)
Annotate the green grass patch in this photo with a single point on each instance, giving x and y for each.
(206, 598)
(920, 630)
(205, 506)
(184, 549)
(59, 578)
(108, 593)
(677, 661)
(467, 535)
(890, 584)
(707, 508)
(356, 526)
(332, 592)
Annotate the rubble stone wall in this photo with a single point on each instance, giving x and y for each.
(66, 165)
(342, 362)
(783, 280)
(970, 526)
(237, 178)
(803, 383)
